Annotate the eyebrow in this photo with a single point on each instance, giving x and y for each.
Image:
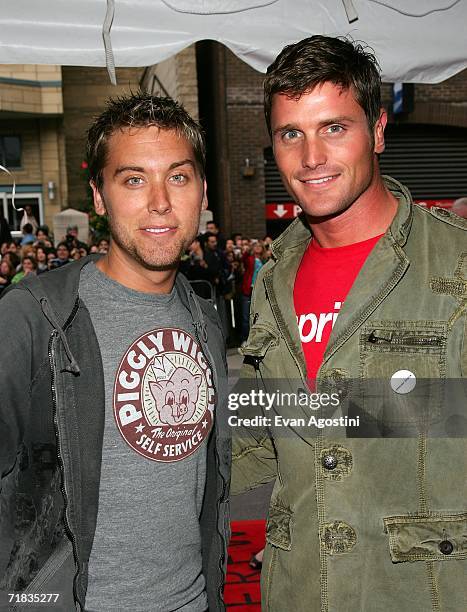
(176, 164)
(323, 123)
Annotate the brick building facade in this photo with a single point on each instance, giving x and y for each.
(32, 142)
(85, 91)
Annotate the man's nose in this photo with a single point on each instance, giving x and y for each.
(159, 200)
(314, 153)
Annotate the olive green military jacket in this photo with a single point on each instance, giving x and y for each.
(377, 521)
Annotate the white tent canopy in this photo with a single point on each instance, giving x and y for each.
(421, 41)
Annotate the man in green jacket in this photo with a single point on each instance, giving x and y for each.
(363, 305)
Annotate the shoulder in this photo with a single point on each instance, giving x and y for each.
(443, 216)
(23, 322)
(17, 299)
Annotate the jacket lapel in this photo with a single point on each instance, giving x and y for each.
(381, 272)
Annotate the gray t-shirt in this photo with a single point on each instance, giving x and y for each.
(146, 554)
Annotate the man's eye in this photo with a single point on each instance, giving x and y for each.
(178, 178)
(134, 180)
(335, 129)
(290, 135)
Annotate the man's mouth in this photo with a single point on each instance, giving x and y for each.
(319, 181)
(158, 230)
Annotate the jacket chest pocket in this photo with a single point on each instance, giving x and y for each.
(437, 537)
(402, 371)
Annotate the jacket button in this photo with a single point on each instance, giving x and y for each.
(446, 547)
(329, 462)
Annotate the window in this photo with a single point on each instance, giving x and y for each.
(10, 151)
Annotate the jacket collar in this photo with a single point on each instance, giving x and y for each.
(60, 287)
(402, 222)
(299, 233)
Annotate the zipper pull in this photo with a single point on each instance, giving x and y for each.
(256, 362)
(374, 339)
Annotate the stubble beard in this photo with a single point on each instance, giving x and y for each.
(157, 258)
(342, 204)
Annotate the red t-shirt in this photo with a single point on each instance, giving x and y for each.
(323, 281)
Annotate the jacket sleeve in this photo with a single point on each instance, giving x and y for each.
(15, 374)
(254, 459)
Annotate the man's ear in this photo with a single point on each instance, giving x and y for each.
(204, 201)
(378, 132)
(99, 204)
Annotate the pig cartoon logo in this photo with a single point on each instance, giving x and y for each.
(164, 396)
(176, 397)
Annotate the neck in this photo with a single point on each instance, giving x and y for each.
(369, 216)
(129, 273)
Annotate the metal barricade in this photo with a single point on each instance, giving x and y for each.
(204, 289)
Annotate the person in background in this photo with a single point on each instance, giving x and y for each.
(42, 236)
(75, 254)
(229, 246)
(51, 256)
(216, 275)
(5, 234)
(213, 259)
(253, 260)
(13, 258)
(194, 267)
(28, 237)
(28, 266)
(103, 246)
(6, 274)
(28, 217)
(63, 254)
(41, 258)
(213, 228)
(72, 239)
(26, 250)
(237, 239)
(246, 245)
(12, 247)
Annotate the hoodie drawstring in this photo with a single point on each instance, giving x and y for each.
(51, 317)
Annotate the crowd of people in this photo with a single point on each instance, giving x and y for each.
(218, 268)
(35, 253)
(227, 269)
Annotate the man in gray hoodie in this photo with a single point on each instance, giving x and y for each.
(114, 476)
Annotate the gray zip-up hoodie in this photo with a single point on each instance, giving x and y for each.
(51, 428)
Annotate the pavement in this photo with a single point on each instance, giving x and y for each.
(254, 504)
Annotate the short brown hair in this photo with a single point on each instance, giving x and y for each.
(320, 59)
(140, 109)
